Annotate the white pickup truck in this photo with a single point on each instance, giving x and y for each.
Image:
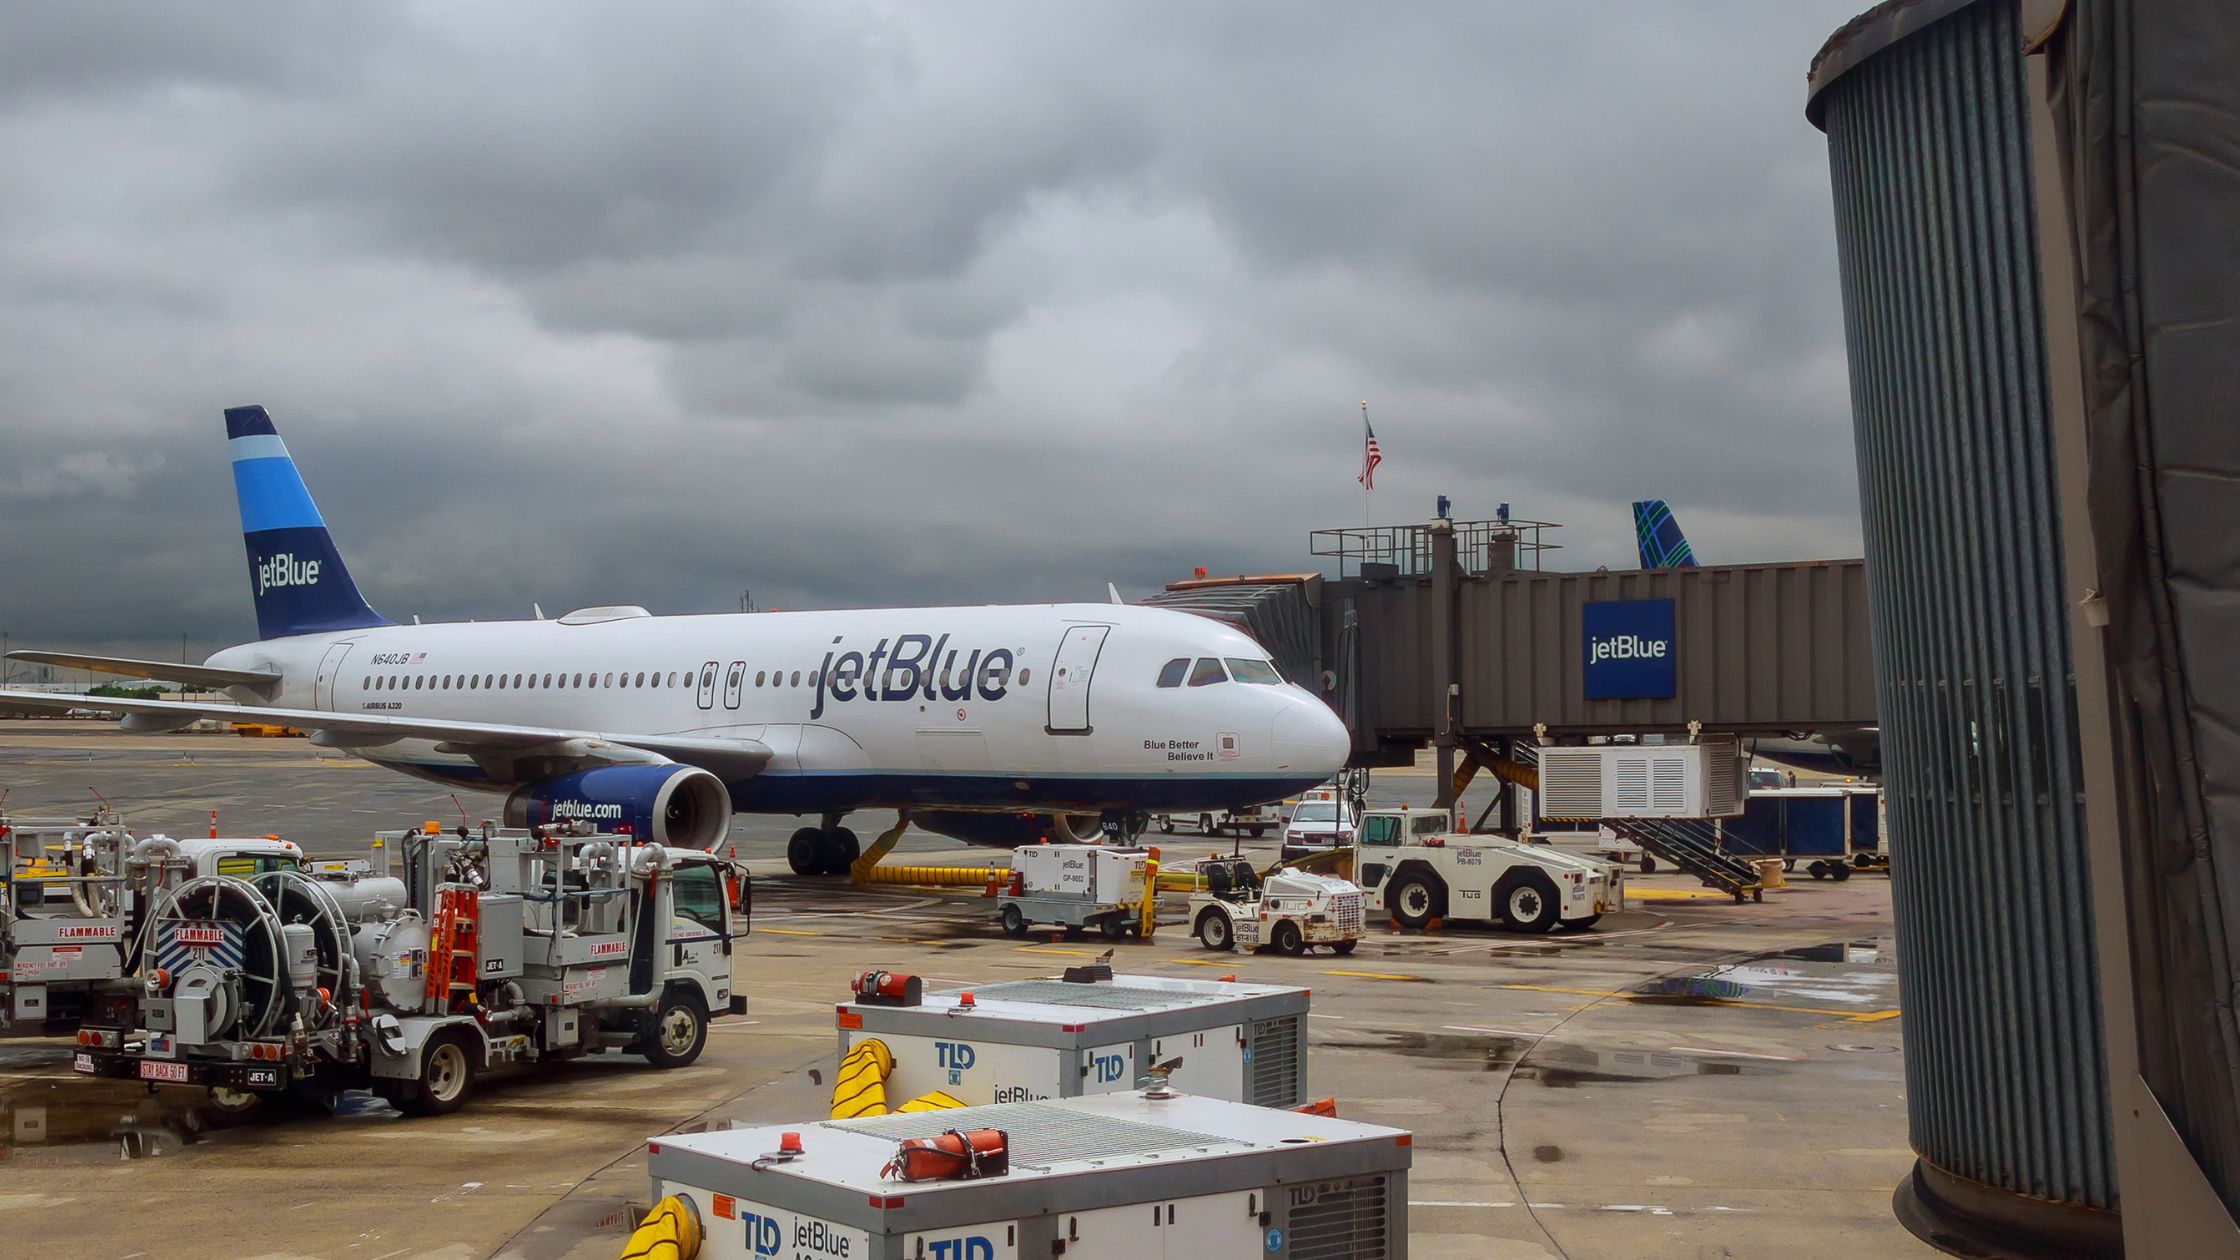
(1413, 866)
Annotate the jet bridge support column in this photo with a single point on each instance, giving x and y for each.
(1441, 533)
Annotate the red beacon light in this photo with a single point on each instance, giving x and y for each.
(789, 1143)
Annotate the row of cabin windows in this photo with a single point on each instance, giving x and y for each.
(530, 682)
(1209, 671)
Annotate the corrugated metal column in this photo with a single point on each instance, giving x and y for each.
(1924, 105)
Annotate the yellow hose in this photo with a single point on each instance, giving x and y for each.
(935, 1101)
(944, 876)
(671, 1231)
(861, 1088)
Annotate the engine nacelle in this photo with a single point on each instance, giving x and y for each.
(682, 806)
(1008, 830)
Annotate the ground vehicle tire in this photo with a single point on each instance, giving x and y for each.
(447, 1071)
(1413, 900)
(1013, 920)
(1839, 871)
(1342, 948)
(1788, 864)
(1215, 931)
(1258, 831)
(805, 851)
(678, 1031)
(1818, 870)
(840, 849)
(1648, 865)
(1073, 931)
(1113, 927)
(1166, 824)
(1581, 925)
(1530, 905)
(1288, 939)
(1205, 823)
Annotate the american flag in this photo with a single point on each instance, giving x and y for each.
(1370, 455)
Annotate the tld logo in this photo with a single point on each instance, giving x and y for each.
(285, 570)
(763, 1236)
(955, 1056)
(1630, 650)
(1107, 1067)
(971, 1247)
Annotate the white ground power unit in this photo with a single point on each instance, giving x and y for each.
(1032, 1039)
(1121, 1177)
(1701, 780)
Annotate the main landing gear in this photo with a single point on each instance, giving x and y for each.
(826, 850)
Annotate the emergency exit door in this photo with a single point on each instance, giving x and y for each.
(1069, 679)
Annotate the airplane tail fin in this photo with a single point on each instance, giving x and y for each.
(298, 578)
(1663, 546)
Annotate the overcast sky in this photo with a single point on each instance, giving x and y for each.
(881, 304)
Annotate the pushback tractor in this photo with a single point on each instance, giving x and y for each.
(494, 949)
(1416, 868)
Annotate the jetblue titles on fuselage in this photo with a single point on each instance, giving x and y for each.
(914, 668)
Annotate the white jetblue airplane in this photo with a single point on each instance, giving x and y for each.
(995, 725)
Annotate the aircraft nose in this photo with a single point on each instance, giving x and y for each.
(1310, 737)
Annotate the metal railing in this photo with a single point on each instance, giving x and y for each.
(1480, 546)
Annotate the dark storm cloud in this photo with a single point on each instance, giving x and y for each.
(578, 303)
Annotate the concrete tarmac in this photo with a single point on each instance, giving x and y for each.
(1693, 1078)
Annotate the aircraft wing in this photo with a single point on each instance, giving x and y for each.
(490, 743)
(167, 671)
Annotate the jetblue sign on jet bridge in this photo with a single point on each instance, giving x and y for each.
(1630, 650)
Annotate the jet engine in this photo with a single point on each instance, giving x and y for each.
(682, 806)
(1009, 830)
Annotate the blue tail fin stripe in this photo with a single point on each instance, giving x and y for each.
(273, 496)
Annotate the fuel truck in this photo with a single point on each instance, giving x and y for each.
(493, 949)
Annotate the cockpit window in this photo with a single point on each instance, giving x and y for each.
(1170, 674)
(1208, 672)
(1261, 672)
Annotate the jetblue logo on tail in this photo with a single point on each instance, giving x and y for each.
(285, 570)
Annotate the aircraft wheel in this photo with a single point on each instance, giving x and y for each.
(841, 849)
(805, 851)
(1257, 831)
(1205, 823)
(1166, 824)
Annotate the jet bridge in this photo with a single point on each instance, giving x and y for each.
(1455, 634)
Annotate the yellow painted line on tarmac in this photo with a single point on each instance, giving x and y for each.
(1855, 1017)
(789, 931)
(1377, 975)
(1208, 962)
(1052, 949)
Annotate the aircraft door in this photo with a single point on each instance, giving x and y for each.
(732, 678)
(707, 696)
(330, 668)
(1069, 679)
